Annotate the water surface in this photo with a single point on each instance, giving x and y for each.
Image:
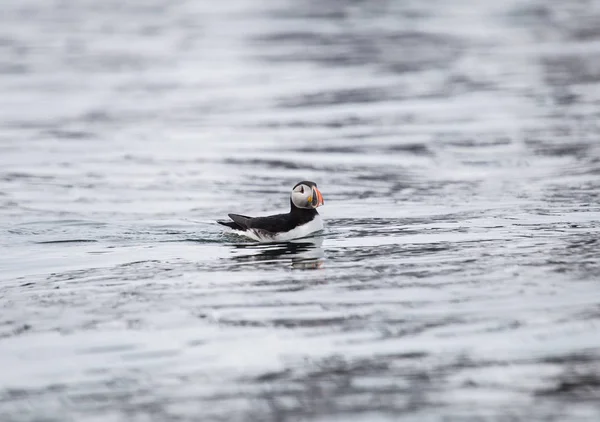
(456, 145)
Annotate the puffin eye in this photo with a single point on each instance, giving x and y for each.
(301, 189)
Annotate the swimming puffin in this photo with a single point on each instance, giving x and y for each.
(302, 220)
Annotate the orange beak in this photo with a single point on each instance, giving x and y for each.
(317, 198)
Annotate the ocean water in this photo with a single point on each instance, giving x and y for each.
(457, 146)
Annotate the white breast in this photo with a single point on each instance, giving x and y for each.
(313, 226)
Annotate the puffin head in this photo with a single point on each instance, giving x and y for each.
(306, 195)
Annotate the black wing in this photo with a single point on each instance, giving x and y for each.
(240, 222)
(273, 223)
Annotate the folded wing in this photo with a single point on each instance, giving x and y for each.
(271, 224)
(240, 222)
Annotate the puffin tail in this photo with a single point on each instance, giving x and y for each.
(230, 224)
(240, 222)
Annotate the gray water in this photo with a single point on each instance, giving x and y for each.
(457, 145)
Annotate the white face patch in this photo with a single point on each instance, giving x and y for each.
(301, 196)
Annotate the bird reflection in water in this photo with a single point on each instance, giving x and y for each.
(305, 254)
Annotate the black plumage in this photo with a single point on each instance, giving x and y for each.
(274, 224)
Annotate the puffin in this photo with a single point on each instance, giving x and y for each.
(302, 220)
